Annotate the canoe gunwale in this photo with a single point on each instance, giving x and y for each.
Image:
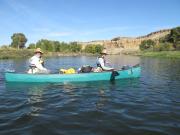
(117, 70)
(132, 72)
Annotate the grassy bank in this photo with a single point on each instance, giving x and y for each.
(161, 54)
(11, 53)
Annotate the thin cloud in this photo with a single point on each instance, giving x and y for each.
(110, 29)
(41, 30)
(59, 34)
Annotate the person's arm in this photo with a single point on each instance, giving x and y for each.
(101, 62)
(38, 65)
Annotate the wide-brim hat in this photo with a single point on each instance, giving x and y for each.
(38, 50)
(104, 51)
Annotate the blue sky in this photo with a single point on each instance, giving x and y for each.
(85, 20)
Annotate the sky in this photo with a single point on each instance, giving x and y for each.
(85, 20)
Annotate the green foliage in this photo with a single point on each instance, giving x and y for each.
(74, 47)
(56, 46)
(93, 48)
(45, 45)
(162, 54)
(174, 35)
(170, 42)
(4, 46)
(18, 40)
(173, 38)
(32, 46)
(163, 47)
(11, 53)
(147, 44)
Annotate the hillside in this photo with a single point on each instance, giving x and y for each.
(123, 44)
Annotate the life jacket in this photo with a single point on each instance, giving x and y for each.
(98, 64)
(40, 61)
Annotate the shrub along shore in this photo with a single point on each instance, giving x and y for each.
(161, 54)
(12, 53)
(168, 47)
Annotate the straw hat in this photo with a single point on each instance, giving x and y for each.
(104, 51)
(38, 50)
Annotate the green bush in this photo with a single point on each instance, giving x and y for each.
(56, 46)
(93, 48)
(11, 53)
(32, 46)
(173, 38)
(163, 47)
(147, 44)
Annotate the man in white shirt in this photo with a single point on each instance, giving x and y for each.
(36, 63)
(101, 62)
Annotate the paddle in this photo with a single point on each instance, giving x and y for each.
(113, 75)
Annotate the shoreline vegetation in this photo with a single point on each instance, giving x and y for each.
(161, 54)
(166, 47)
(12, 53)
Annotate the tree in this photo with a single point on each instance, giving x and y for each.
(75, 47)
(174, 37)
(147, 44)
(18, 40)
(93, 48)
(32, 46)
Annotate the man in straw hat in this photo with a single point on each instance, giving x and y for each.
(36, 63)
(101, 61)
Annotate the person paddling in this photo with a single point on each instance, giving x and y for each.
(101, 61)
(36, 63)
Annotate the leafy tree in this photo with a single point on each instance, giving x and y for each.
(74, 47)
(18, 40)
(163, 47)
(56, 46)
(32, 46)
(93, 48)
(147, 44)
(173, 37)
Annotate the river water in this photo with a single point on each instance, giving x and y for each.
(149, 105)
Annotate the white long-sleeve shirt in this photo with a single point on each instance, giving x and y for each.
(102, 62)
(35, 61)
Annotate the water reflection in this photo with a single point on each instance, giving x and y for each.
(135, 105)
(33, 94)
(35, 99)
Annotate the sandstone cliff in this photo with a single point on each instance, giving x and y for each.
(124, 44)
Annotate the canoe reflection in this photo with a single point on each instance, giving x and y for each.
(84, 96)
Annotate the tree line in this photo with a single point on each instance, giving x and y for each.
(19, 40)
(170, 42)
(72, 47)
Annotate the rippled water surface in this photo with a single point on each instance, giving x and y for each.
(149, 105)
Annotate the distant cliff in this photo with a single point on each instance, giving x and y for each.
(121, 44)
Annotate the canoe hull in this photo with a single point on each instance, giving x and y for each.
(82, 77)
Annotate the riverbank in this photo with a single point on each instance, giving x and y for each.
(11, 53)
(161, 54)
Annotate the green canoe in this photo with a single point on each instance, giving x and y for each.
(132, 72)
